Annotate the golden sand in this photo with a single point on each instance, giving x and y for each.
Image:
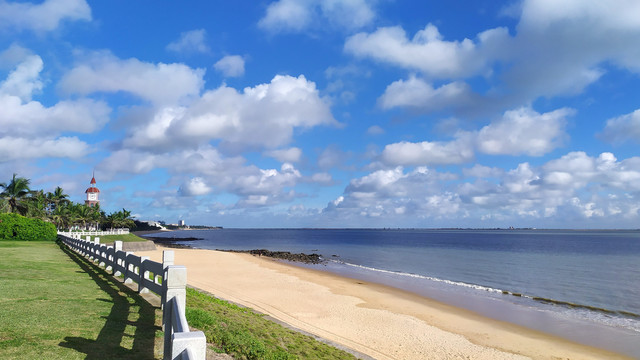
(376, 320)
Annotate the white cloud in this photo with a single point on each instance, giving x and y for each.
(322, 178)
(32, 118)
(193, 41)
(524, 131)
(127, 161)
(13, 55)
(15, 148)
(375, 130)
(427, 51)
(204, 170)
(28, 120)
(286, 15)
(428, 153)
(263, 116)
(45, 16)
(296, 16)
(561, 48)
(518, 132)
(567, 191)
(231, 66)
(417, 93)
(481, 171)
(389, 194)
(267, 181)
(623, 128)
(290, 155)
(557, 49)
(24, 81)
(194, 187)
(103, 72)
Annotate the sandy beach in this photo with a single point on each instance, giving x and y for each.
(376, 320)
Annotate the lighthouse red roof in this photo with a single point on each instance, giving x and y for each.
(93, 180)
(92, 189)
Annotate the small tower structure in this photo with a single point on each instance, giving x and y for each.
(93, 194)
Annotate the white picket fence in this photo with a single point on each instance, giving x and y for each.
(167, 280)
(83, 233)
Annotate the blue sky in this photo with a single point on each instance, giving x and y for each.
(340, 113)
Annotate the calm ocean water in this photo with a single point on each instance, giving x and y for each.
(582, 285)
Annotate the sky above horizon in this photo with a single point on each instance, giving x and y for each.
(334, 113)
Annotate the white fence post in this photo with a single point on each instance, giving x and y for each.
(117, 246)
(195, 343)
(168, 257)
(176, 282)
(144, 275)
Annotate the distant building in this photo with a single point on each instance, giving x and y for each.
(180, 222)
(93, 194)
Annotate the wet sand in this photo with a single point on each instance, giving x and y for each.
(376, 320)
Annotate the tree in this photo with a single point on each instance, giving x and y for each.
(120, 219)
(16, 192)
(36, 205)
(56, 199)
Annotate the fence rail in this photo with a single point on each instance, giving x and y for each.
(83, 233)
(166, 279)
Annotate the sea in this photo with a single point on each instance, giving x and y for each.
(582, 285)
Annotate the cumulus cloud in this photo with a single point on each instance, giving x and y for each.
(103, 72)
(524, 131)
(387, 194)
(296, 16)
(290, 155)
(32, 118)
(31, 130)
(230, 66)
(428, 153)
(322, 178)
(14, 148)
(623, 128)
(204, 170)
(419, 94)
(521, 131)
(263, 116)
(190, 42)
(556, 50)
(194, 187)
(24, 80)
(569, 188)
(427, 51)
(45, 16)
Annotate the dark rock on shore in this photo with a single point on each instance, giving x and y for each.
(284, 255)
(172, 242)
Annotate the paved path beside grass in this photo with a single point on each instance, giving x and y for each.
(53, 305)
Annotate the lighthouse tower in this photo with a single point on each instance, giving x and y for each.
(92, 193)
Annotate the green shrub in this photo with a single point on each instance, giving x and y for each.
(18, 227)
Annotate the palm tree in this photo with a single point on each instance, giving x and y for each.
(120, 219)
(15, 193)
(56, 198)
(37, 205)
(62, 217)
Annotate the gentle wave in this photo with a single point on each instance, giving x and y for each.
(565, 304)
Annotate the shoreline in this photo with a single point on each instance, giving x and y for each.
(374, 319)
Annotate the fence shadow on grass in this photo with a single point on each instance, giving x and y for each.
(126, 304)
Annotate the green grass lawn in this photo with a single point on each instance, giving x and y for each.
(54, 305)
(109, 239)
